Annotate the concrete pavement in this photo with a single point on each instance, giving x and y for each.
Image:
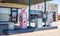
(52, 32)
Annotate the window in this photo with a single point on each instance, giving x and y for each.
(4, 14)
(35, 14)
(5, 10)
(19, 10)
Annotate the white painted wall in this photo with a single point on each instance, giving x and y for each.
(49, 7)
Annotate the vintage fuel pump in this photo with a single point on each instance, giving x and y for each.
(23, 19)
(49, 18)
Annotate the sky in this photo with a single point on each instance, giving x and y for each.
(56, 2)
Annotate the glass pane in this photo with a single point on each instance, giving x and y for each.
(14, 14)
(4, 14)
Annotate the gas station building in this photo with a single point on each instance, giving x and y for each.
(36, 10)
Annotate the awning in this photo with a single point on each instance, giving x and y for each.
(24, 1)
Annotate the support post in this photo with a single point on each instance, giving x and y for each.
(29, 12)
(45, 12)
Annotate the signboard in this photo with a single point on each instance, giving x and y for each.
(41, 7)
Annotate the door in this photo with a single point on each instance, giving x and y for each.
(54, 16)
(14, 15)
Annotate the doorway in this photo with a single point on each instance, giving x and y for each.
(14, 15)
